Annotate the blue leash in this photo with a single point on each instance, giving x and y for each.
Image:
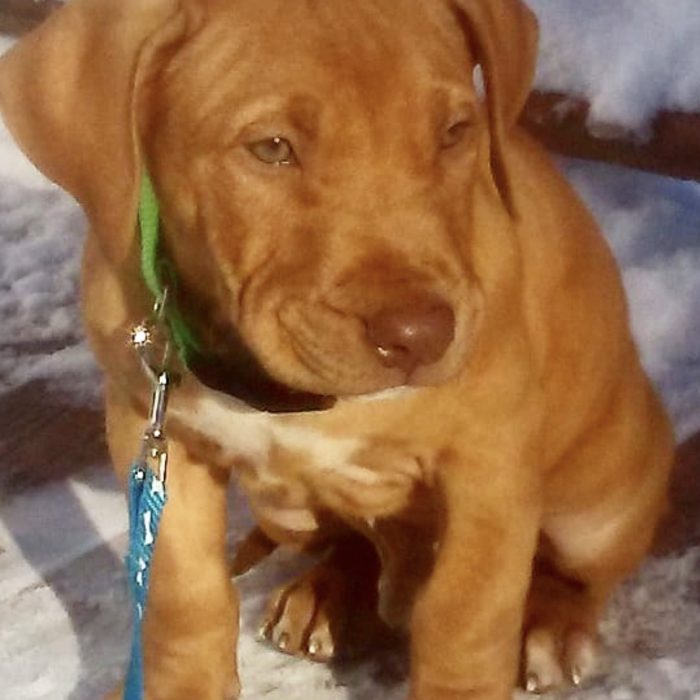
(147, 494)
(147, 498)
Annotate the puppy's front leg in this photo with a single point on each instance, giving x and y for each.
(466, 624)
(191, 624)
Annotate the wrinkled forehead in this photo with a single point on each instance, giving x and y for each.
(331, 49)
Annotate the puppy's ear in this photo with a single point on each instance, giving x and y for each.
(503, 36)
(68, 93)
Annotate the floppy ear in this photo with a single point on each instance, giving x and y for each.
(68, 92)
(503, 37)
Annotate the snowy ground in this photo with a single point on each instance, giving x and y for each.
(629, 58)
(63, 606)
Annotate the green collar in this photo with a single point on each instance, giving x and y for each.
(154, 268)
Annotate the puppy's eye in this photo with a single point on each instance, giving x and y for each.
(456, 133)
(275, 151)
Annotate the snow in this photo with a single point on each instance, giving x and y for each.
(13, 165)
(629, 58)
(38, 279)
(63, 603)
(653, 226)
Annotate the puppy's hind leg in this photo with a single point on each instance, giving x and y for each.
(586, 552)
(566, 599)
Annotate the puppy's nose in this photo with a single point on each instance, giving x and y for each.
(409, 336)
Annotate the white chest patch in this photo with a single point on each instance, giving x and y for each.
(245, 433)
(240, 433)
(334, 471)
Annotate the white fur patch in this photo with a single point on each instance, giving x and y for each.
(327, 453)
(250, 434)
(240, 433)
(584, 537)
(385, 395)
(290, 519)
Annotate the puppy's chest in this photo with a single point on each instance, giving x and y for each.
(246, 435)
(277, 459)
(291, 467)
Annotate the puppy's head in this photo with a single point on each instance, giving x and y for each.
(317, 165)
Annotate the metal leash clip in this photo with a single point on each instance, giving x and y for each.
(154, 451)
(151, 339)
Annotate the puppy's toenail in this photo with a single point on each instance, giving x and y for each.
(263, 632)
(576, 676)
(532, 684)
(283, 641)
(314, 647)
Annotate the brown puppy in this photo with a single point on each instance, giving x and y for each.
(337, 195)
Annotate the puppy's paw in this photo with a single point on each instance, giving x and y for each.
(307, 617)
(330, 611)
(554, 659)
(559, 644)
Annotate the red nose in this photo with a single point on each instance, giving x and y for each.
(409, 336)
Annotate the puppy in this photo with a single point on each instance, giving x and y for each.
(415, 339)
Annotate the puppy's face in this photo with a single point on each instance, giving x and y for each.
(316, 163)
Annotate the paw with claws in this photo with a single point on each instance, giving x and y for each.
(559, 644)
(304, 619)
(554, 660)
(328, 612)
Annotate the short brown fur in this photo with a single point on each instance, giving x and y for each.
(534, 443)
